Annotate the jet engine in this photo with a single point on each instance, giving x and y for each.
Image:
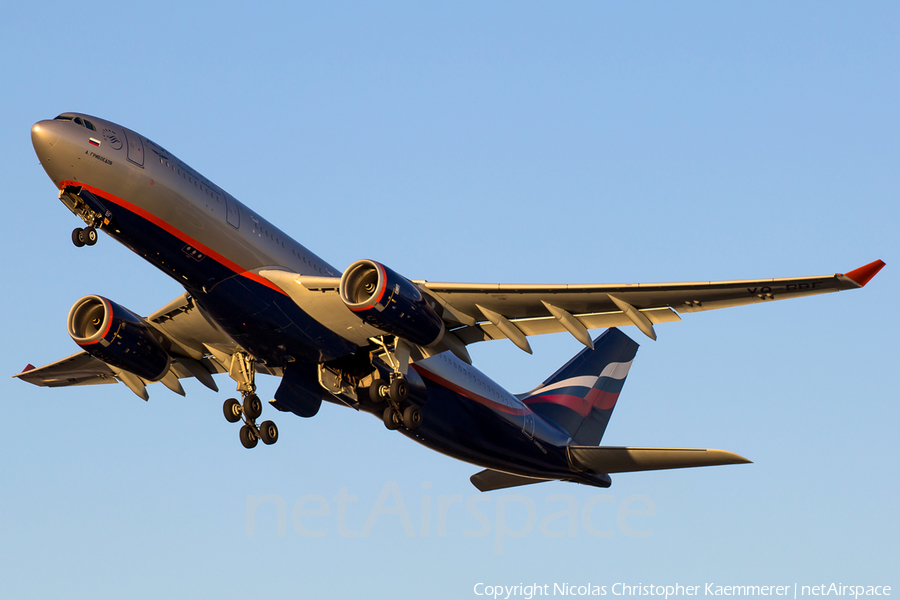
(118, 337)
(386, 300)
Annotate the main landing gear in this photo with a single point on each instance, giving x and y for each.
(84, 237)
(398, 413)
(250, 409)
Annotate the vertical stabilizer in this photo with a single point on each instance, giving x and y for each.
(580, 397)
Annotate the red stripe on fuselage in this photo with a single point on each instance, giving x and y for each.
(492, 404)
(175, 232)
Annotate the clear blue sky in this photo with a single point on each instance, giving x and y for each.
(500, 141)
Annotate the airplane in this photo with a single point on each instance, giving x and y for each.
(258, 302)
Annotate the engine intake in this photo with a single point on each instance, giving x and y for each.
(118, 337)
(384, 299)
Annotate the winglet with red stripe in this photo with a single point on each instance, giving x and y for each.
(864, 274)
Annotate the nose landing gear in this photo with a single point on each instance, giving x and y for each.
(84, 237)
(71, 196)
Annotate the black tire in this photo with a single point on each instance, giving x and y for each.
(90, 236)
(232, 410)
(391, 418)
(375, 393)
(268, 431)
(399, 390)
(252, 407)
(249, 439)
(412, 418)
(78, 237)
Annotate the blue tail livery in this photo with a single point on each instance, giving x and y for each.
(581, 396)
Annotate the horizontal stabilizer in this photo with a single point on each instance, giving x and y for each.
(607, 459)
(489, 480)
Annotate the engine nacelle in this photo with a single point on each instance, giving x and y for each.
(390, 302)
(118, 337)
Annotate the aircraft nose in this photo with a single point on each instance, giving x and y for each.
(44, 134)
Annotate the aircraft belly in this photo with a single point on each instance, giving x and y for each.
(269, 324)
(458, 427)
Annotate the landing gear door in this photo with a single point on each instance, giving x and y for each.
(135, 148)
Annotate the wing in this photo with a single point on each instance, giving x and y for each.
(78, 369)
(489, 312)
(475, 312)
(196, 346)
(84, 369)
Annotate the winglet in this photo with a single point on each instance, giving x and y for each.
(864, 274)
(28, 367)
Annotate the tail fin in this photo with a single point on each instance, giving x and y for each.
(581, 396)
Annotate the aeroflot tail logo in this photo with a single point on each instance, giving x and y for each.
(613, 371)
(585, 392)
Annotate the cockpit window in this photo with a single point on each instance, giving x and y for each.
(78, 120)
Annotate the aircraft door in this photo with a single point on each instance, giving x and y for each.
(232, 212)
(135, 148)
(528, 426)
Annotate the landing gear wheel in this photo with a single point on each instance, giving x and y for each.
(232, 410)
(249, 439)
(391, 418)
(268, 432)
(78, 237)
(89, 235)
(399, 390)
(376, 391)
(252, 407)
(412, 417)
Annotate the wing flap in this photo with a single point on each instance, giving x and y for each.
(483, 332)
(609, 459)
